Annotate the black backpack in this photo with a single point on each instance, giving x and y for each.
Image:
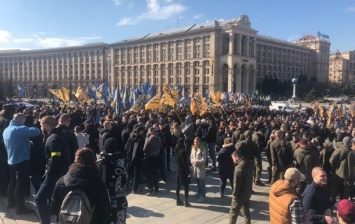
(285, 155)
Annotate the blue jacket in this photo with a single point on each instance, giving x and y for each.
(16, 138)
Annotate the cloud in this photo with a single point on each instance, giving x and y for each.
(198, 16)
(5, 36)
(22, 40)
(156, 10)
(118, 2)
(293, 38)
(350, 9)
(54, 42)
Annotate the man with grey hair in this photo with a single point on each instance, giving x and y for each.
(339, 163)
(17, 143)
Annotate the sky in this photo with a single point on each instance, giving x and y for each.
(41, 24)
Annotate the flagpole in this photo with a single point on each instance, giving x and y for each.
(177, 115)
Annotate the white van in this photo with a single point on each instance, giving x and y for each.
(281, 106)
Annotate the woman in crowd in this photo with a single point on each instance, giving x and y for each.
(182, 172)
(83, 175)
(225, 163)
(114, 173)
(198, 160)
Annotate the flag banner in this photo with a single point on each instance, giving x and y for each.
(216, 98)
(65, 93)
(93, 91)
(117, 101)
(58, 93)
(203, 107)
(139, 104)
(170, 97)
(80, 95)
(154, 103)
(21, 91)
(151, 92)
(145, 88)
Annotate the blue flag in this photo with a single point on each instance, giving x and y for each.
(118, 101)
(21, 91)
(145, 88)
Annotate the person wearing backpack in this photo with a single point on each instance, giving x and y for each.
(81, 196)
(281, 156)
(306, 159)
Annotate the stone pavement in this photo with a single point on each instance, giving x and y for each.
(162, 207)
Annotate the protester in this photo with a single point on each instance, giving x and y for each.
(225, 165)
(284, 203)
(17, 143)
(198, 160)
(183, 176)
(242, 188)
(83, 175)
(58, 156)
(316, 198)
(112, 168)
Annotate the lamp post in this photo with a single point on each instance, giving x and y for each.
(294, 83)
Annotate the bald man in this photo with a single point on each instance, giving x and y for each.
(316, 198)
(17, 143)
(58, 161)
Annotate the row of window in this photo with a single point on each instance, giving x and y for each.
(178, 80)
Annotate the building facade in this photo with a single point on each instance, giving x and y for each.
(342, 67)
(215, 56)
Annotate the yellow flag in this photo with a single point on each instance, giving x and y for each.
(216, 98)
(169, 98)
(352, 110)
(201, 103)
(80, 94)
(154, 103)
(194, 107)
(58, 93)
(65, 93)
(247, 104)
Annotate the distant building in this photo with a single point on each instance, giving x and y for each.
(215, 56)
(342, 67)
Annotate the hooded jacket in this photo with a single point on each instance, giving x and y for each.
(280, 198)
(88, 180)
(225, 161)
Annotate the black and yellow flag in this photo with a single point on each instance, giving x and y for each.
(203, 107)
(58, 93)
(65, 93)
(170, 97)
(154, 103)
(138, 105)
(216, 98)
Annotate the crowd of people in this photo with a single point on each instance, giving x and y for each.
(92, 152)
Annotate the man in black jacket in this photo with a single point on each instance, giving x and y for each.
(58, 160)
(93, 136)
(6, 114)
(211, 142)
(64, 123)
(134, 151)
(316, 198)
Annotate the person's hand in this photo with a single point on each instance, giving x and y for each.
(328, 219)
(273, 169)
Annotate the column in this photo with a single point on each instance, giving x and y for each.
(238, 81)
(231, 43)
(240, 44)
(247, 50)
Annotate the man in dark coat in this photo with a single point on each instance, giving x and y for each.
(6, 114)
(58, 161)
(306, 160)
(93, 136)
(134, 156)
(64, 123)
(316, 198)
(182, 172)
(243, 182)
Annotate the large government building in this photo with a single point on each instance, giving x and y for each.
(342, 67)
(216, 56)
